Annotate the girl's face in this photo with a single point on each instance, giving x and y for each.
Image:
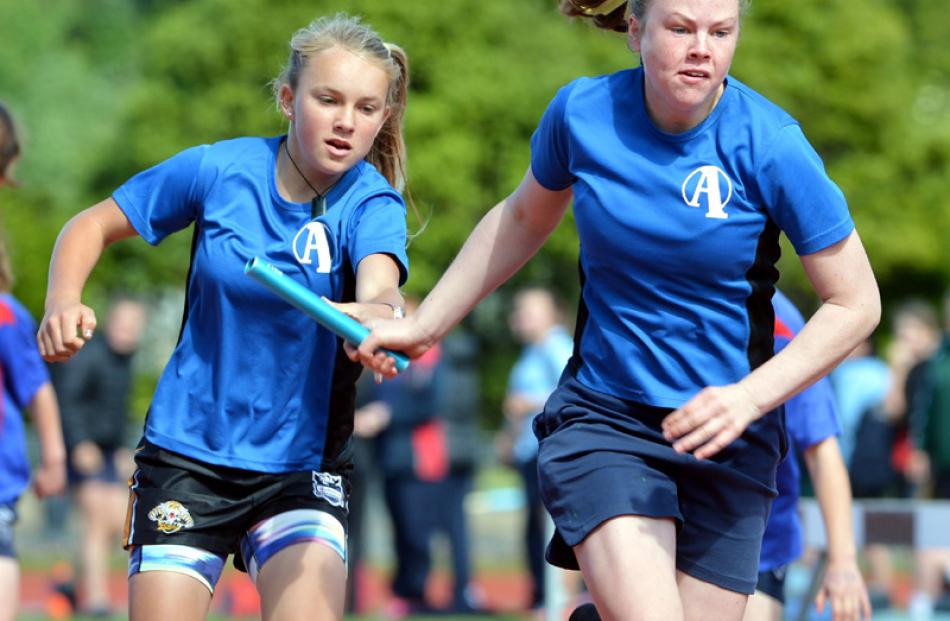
(686, 47)
(337, 110)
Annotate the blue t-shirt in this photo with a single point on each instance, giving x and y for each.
(248, 385)
(679, 232)
(810, 417)
(535, 376)
(24, 373)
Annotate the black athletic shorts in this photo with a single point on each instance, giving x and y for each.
(177, 500)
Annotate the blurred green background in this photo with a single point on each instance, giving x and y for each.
(105, 88)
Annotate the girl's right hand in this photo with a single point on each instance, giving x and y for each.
(64, 330)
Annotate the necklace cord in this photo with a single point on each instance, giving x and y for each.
(302, 176)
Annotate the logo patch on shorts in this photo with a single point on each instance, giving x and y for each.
(172, 516)
(329, 487)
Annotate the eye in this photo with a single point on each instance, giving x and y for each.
(722, 34)
(368, 109)
(678, 30)
(326, 99)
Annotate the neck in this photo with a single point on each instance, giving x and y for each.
(676, 123)
(294, 179)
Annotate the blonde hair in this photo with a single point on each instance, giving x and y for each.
(388, 153)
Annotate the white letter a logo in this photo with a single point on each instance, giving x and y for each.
(708, 181)
(313, 237)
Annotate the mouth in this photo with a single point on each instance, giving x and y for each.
(338, 147)
(695, 74)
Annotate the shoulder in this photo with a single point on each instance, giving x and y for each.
(236, 150)
(368, 183)
(601, 88)
(758, 108)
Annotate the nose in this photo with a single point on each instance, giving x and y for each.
(700, 46)
(344, 119)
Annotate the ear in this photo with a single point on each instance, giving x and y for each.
(633, 34)
(386, 113)
(286, 95)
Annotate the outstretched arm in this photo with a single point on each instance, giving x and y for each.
(504, 240)
(843, 585)
(77, 250)
(851, 308)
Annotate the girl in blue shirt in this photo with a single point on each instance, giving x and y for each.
(245, 448)
(24, 385)
(658, 450)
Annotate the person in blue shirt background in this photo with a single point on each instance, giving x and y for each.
(535, 322)
(26, 386)
(813, 428)
(245, 449)
(658, 450)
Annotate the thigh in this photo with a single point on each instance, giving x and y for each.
(302, 582)
(164, 595)
(9, 583)
(705, 601)
(762, 607)
(628, 564)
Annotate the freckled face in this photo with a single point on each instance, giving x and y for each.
(686, 47)
(337, 110)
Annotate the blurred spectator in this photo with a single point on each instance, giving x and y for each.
(930, 465)
(535, 322)
(877, 398)
(916, 338)
(26, 385)
(94, 389)
(426, 450)
(860, 383)
(369, 419)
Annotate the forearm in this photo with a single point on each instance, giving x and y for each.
(833, 491)
(825, 340)
(499, 245)
(45, 413)
(850, 310)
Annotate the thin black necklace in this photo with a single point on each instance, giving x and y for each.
(319, 198)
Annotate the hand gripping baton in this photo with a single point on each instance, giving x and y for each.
(306, 300)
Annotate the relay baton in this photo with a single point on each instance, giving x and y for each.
(306, 300)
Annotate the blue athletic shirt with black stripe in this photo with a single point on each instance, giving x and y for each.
(249, 382)
(679, 233)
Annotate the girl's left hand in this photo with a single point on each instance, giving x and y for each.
(710, 420)
(363, 311)
(843, 587)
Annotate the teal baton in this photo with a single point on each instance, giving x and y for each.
(309, 302)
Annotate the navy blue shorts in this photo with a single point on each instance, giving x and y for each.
(772, 583)
(7, 520)
(601, 457)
